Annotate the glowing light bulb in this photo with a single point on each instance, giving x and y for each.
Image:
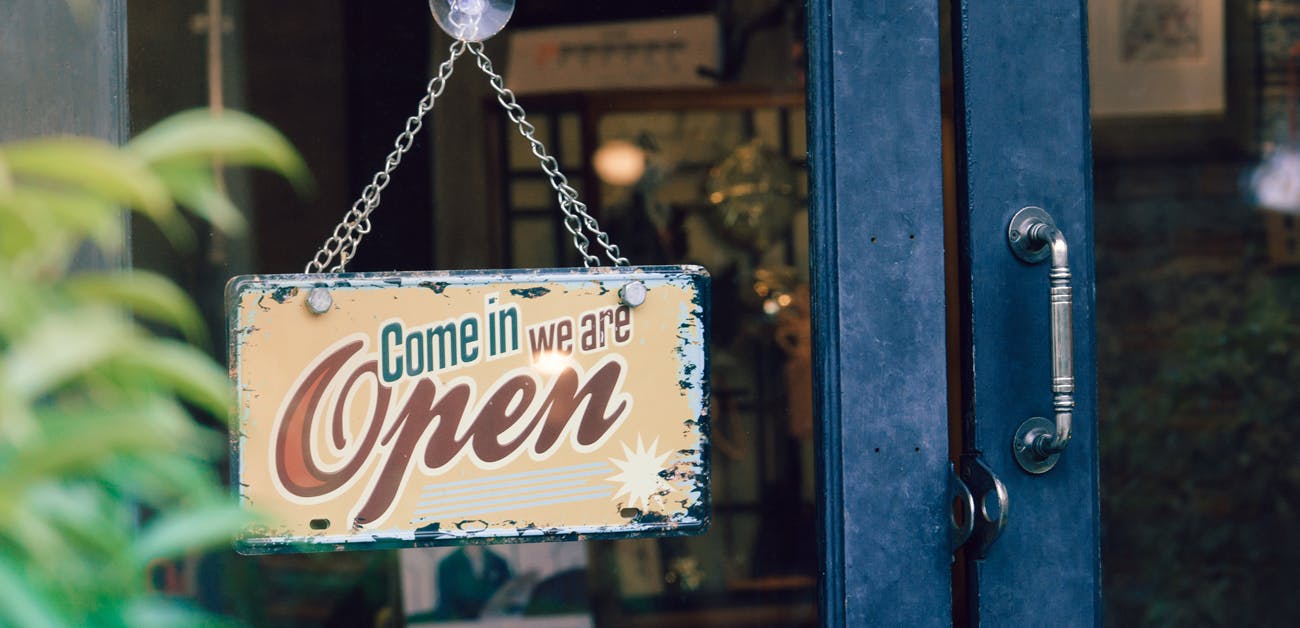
(619, 162)
(1275, 184)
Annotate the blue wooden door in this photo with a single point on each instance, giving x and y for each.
(881, 295)
(1023, 119)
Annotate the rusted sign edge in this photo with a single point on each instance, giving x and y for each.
(695, 520)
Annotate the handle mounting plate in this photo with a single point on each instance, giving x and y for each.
(1026, 248)
(1024, 445)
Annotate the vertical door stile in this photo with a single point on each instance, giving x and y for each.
(1023, 129)
(878, 308)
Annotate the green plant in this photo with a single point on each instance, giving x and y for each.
(102, 467)
(1201, 480)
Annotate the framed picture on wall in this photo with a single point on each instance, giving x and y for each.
(1157, 57)
(1170, 77)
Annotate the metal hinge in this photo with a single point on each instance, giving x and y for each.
(979, 506)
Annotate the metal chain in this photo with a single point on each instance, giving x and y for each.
(576, 216)
(342, 243)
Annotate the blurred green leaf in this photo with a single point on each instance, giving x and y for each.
(6, 179)
(80, 515)
(196, 188)
(158, 480)
(38, 543)
(94, 177)
(92, 165)
(21, 235)
(63, 218)
(182, 368)
(22, 605)
(92, 425)
(161, 611)
(20, 301)
(236, 138)
(16, 420)
(178, 532)
(75, 442)
(148, 295)
(62, 345)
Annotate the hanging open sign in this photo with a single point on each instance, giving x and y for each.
(411, 409)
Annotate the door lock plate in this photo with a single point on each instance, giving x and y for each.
(991, 504)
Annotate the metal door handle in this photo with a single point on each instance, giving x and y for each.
(1038, 443)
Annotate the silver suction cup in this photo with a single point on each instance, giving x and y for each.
(472, 20)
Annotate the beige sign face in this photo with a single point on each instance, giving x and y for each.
(433, 408)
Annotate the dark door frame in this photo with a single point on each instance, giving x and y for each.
(878, 286)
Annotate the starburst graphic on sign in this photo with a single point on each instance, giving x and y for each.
(639, 477)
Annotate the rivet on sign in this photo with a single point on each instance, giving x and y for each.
(319, 300)
(632, 293)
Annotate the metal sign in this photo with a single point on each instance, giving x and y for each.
(411, 409)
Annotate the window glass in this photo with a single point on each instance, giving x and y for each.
(706, 105)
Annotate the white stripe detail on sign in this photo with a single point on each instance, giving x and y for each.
(511, 476)
(457, 499)
(571, 495)
(436, 495)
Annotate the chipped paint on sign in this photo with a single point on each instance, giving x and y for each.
(440, 408)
